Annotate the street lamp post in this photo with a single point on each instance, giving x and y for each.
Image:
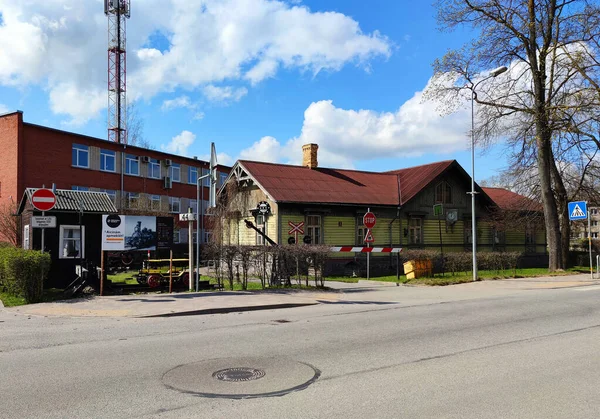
(199, 213)
(493, 74)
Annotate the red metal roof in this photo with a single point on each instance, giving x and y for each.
(512, 201)
(414, 179)
(287, 183)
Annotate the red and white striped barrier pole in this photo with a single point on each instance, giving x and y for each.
(361, 249)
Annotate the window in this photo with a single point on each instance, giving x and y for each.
(80, 156)
(174, 205)
(594, 223)
(262, 226)
(195, 237)
(415, 231)
(530, 233)
(132, 165)
(155, 202)
(192, 175)
(313, 228)
(154, 169)
(594, 211)
(133, 200)
(594, 235)
(107, 160)
(26, 237)
(443, 193)
(71, 242)
(361, 231)
(176, 236)
(111, 194)
(499, 238)
(194, 206)
(175, 172)
(207, 236)
(222, 178)
(206, 180)
(80, 188)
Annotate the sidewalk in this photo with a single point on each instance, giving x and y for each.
(363, 292)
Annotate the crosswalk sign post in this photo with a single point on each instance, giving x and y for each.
(578, 211)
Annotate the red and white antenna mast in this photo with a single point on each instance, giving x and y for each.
(118, 11)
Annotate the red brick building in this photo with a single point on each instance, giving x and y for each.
(137, 179)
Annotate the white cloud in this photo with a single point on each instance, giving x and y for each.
(61, 46)
(222, 158)
(224, 94)
(178, 102)
(180, 143)
(346, 136)
(3, 108)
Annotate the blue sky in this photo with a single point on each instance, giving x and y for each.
(257, 77)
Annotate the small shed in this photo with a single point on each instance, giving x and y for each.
(78, 226)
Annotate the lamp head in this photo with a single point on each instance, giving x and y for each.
(498, 71)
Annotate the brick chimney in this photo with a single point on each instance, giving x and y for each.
(309, 155)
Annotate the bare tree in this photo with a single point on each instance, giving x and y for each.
(9, 223)
(135, 127)
(548, 95)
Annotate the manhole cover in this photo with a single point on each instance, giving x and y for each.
(239, 374)
(229, 378)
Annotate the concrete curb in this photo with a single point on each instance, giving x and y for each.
(224, 310)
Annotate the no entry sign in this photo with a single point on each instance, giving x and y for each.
(43, 199)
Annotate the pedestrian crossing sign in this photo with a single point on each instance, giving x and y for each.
(577, 210)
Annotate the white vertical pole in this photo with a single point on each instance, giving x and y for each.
(368, 253)
(590, 239)
(190, 249)
(43, 235)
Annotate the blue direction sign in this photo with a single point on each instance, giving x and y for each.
(578, 210)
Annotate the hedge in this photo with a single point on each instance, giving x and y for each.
(22, 272)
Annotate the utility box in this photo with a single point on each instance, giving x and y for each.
(418, 268)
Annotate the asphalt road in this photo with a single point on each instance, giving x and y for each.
(527, 354)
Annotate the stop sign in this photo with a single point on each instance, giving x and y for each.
(43, 199)
(369, 220)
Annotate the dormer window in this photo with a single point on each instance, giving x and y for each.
(443, 193)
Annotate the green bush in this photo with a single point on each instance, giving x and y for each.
(22, 272)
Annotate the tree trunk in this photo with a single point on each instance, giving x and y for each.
(550, 211)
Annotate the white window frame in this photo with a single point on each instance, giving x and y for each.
(80, 148)
(310, 229)
(132, 158)
(414, 229)
(26, 242)
(136, 198)
(152, 165)
(62, 238)
(192, 179)
(104, 155)
(172, 201)
(194, 206)
(262, 225)
(112, 194)
(361, 231)
(222, 178)
(206, 180)
(154, 199)
(176, 236)
(172, 172)
(80, 188)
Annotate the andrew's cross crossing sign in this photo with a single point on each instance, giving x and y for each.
(577, 210)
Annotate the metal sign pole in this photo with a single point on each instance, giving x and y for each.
(190, 250)
(43, 235)
(368, 253)
(590, 240)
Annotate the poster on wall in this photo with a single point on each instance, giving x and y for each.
(113, 232)
(140, 232)
(133, 232)
(164, 229)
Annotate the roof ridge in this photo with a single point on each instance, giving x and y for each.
(420, 165)
(325, 168)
